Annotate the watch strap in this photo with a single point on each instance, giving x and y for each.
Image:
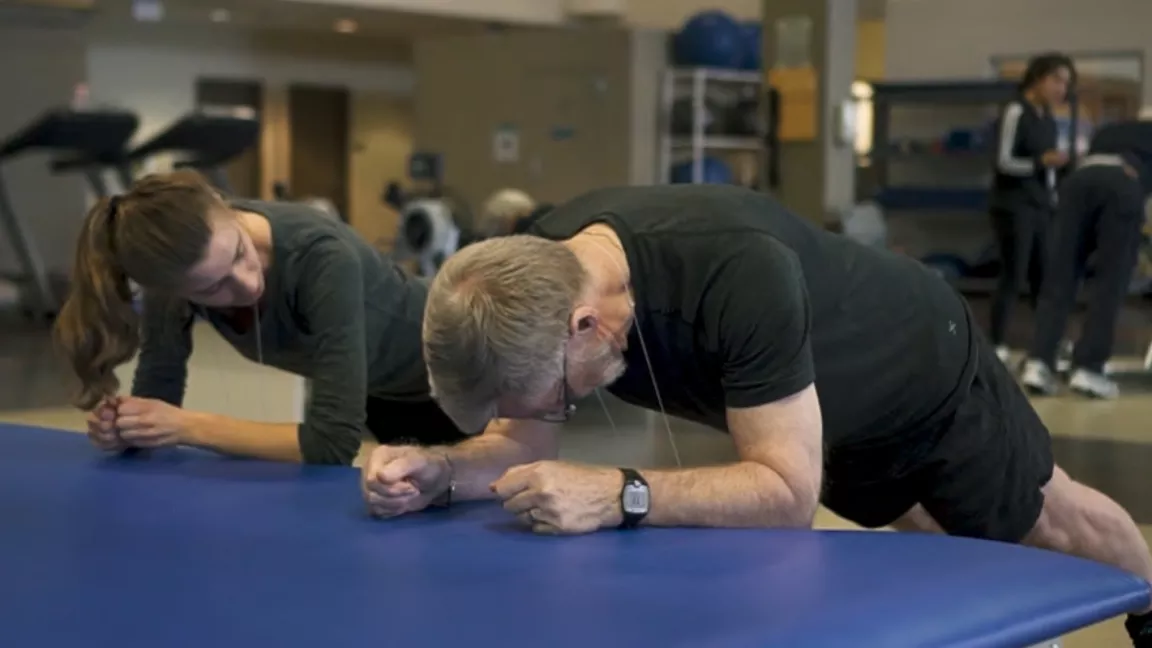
(634, 479)
(444, 500)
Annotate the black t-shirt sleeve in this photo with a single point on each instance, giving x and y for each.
(759, 321)
(165, 345)
(330, 301)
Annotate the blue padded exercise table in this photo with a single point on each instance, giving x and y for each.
(181, 548)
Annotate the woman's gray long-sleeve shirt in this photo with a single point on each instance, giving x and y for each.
(334, 311)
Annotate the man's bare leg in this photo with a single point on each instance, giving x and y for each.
(1076, 520)
(1084, 522)
(1079, 521)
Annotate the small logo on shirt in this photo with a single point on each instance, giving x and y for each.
(952, 327)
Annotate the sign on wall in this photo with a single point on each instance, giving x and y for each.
(506, 143)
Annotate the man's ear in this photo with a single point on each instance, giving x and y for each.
(585, 319)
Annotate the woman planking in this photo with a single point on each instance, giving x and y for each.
(285, 285)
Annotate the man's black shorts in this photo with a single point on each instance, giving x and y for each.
(980, 473)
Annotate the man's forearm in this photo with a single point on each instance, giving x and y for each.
(479, 461)
(271, 441)
(745, 494)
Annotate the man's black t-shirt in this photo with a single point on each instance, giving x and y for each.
(741, 303)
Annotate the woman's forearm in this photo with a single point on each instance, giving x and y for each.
(270, 441)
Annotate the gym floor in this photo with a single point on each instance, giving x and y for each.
(1105, 444)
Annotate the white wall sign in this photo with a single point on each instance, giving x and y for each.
(506, 143)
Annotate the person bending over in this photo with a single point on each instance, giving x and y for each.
(1021, 201)
(844, 374)
(283, 284)
(1101, 213)
(503, 211)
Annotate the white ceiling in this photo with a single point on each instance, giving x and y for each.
(302, 16)
(278, 15)
(272, 15)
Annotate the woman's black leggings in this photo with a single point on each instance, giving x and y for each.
(1101, 213)
(422, 422)
(1021, 235)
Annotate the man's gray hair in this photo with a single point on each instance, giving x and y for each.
(496, 323)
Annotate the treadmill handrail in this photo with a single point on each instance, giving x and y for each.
(207, 139)
(88, 133)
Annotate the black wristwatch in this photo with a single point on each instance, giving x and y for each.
(635, 499)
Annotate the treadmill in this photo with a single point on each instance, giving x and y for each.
(206, 141)
(84, 137)
(94, 166)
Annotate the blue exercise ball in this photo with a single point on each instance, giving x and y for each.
(753, 48)
(715, 171)
(709, 39)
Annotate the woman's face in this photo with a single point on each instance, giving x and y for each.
(230, 273)
(1053, 88)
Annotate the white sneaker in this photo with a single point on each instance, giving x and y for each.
(1038, 379)
(1094, 385)
(1004, 353)
(1064, 357)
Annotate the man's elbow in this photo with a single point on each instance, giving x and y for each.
(787, 503)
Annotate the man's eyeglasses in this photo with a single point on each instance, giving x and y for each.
(567, 407)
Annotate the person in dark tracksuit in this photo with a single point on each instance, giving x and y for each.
(1023, 191)
(1101, 213)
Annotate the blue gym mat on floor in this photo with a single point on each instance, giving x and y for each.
(181, 548)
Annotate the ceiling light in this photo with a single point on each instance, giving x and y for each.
(345, 26)
(220, 15)
(147, 10)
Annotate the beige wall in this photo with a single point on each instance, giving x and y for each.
(532, 12)
(535, 82)
(604, 84)
(40, 68)
(870, 48)
(153, 70)
(649, 55)
(639, 14)
(943, 38)
(670, 14)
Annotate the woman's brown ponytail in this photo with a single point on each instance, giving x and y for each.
(98, 328)
(154, 234)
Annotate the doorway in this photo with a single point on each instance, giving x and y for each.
(244, 174)
(318, 118)
(380, 132)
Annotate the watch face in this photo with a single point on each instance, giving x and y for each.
(635, 499)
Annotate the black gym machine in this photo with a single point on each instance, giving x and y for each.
(87, 140)
(94, 142)
(205, 140)
(434, 223)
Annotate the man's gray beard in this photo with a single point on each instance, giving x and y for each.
(614, 370)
